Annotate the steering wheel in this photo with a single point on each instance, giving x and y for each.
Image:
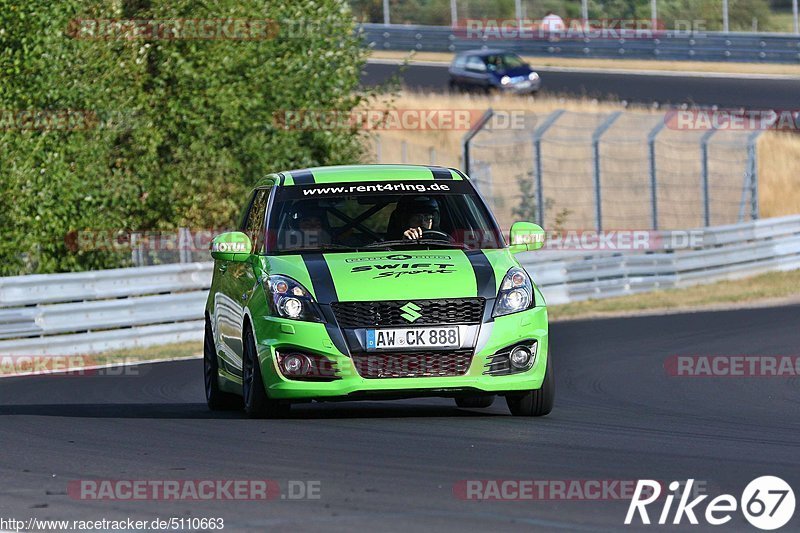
(436, 235)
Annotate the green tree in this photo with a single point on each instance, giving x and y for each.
(184, 126)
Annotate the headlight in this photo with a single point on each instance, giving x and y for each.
(533, 76)
(505, 80)
(292, 300)
(516, 293)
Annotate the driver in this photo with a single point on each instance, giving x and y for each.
(421, 214)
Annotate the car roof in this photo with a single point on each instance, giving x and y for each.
(359, 173)
(487, 52)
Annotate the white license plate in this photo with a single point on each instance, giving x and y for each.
(434, 337)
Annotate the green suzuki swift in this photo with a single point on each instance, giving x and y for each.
(374, 282)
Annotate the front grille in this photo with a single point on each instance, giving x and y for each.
(388, 313)
(413, 365)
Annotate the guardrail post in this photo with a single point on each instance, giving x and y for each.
(473, 131)
(601, 129)
(651, 145)
(537, 148)
(704, 151)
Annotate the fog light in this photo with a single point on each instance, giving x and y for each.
(294, 364)
(520, 357)
(292, 307)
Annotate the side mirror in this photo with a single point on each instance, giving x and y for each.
(525, 237)
(231, 246)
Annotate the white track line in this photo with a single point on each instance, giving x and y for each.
(582, 70)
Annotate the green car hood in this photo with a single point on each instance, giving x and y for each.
(373, 276)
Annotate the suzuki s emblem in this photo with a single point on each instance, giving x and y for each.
(410, 311)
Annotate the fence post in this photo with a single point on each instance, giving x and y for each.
(601, 129)
(752, 170)
(378, 155)
(537, 148)
(704, 151)
(403, 152)
(473, 131)
(432, 155)
(651, 144)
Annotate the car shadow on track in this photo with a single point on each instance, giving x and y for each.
(200, 411)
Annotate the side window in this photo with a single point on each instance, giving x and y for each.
(460, 62)
(254, 222)
(476, 64)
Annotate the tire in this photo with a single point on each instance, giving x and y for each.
(256, 402)
(475, 402)
(215, 398)
(537, 402)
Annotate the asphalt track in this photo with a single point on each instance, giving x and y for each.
(745, 91)
(392, 466)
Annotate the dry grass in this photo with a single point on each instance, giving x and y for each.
(567, 162)
(779, 174)
(765, 288)
(620, 64)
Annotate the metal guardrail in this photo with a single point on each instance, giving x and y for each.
(89, 312)
(725, 252)
(666, 45)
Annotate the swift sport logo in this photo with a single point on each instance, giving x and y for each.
(767, 503)
(396, 270)
(411, 311)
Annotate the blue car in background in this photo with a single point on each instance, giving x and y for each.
(492, 70)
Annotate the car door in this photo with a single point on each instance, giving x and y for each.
(476, 75)
(241, 276)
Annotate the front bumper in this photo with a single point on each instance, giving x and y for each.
(529, 87)
(274, 334)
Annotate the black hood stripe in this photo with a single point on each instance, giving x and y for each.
(302, 177)
(484, 273)
(441, 173)
(321, 278)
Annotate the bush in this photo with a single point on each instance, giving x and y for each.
(179, 129)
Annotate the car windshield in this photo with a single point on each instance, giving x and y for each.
(504, 62)
(367, 216)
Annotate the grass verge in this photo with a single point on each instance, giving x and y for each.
(774, 287)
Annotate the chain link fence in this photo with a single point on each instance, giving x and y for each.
(604, 171)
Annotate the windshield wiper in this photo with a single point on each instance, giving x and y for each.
(410, 242)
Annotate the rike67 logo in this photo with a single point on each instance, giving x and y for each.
(767, 503)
